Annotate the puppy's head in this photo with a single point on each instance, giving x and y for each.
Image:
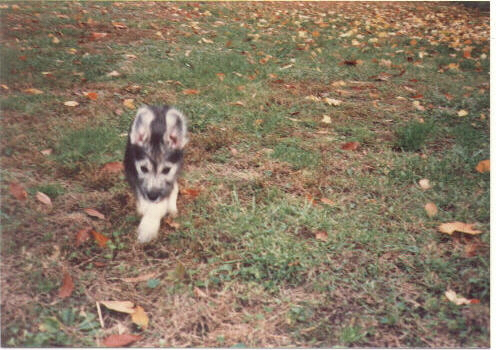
(158, 136)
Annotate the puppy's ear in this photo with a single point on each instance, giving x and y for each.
(176, 132)
(140, 131)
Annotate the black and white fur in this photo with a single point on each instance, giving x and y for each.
(152, 162)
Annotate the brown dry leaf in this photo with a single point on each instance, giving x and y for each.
(100, 239)
(424, 184)
(113, 167)
(118, 340)
(326, 119)
(457, 226)
(350, 146)
(139, 317)
(18, 191)
(91, 95)
(71, 103)
(175, 225)
(82, 236)
(129, 103)
(430, 209)
(459, 300)
(33, 91)
(321, 236)
(221, 76)
(190, 192)
(237, 103)
(327, 201)
(126, 307)
(190, 92)
(97, 36)
(141, 278)
(119, 25)
(484, 166)
(47, 152)
(43, 198)
(199, 293)
(94, 213)
(67, 286)
(114, 73)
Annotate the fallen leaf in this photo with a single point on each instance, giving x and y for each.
(484, 166)
(237, 103)
(67, 286)
(114, 73)
(326, 119)
(418, 106)
(191, 192)
(126, 307)
(431, 209)
(199, 293)
(71, 103)
(100, 239)
(139, 317)
(332, 101)
(191, 92)
(94, 213)
(18, 191)
(424, 184)
(350, 146)
(91, 95)
(97, 36)
(33, 91)
(221, 76)
(43, 198)
(349, 62)
(129, 103)
(462, 113)
(141, 278)
(119, 25)
(113, 167)
(46, 152)
(327, 201)
(321, 236)
(172, 223)
(458, 226)
(118, 340)
(459, 300)
(82, 236)
(159, 34)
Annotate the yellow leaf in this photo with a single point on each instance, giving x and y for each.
(458, 226)
(431, 209)
(462, 113)
(126, 307)
(483, 166)
(139, 317)
(332, 101)
(129, 103)
(326, 119)
(71, 103)
(459, 300)
(424, 184)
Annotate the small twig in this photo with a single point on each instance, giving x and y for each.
(100, 314)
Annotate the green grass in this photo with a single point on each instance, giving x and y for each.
(292, 241)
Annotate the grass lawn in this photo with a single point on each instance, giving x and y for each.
(302, 221)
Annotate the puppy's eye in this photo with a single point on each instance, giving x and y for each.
(144, 169)
(165, 171)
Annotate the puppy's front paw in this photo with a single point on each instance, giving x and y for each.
(148, 230)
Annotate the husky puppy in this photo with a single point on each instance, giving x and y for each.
(152, 162)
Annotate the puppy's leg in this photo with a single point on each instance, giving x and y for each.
(150, 222)
(172, 201)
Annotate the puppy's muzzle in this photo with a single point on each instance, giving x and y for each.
(157, 194)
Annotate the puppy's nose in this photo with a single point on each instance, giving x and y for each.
(153, 195)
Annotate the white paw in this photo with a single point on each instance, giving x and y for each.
(148, 229)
